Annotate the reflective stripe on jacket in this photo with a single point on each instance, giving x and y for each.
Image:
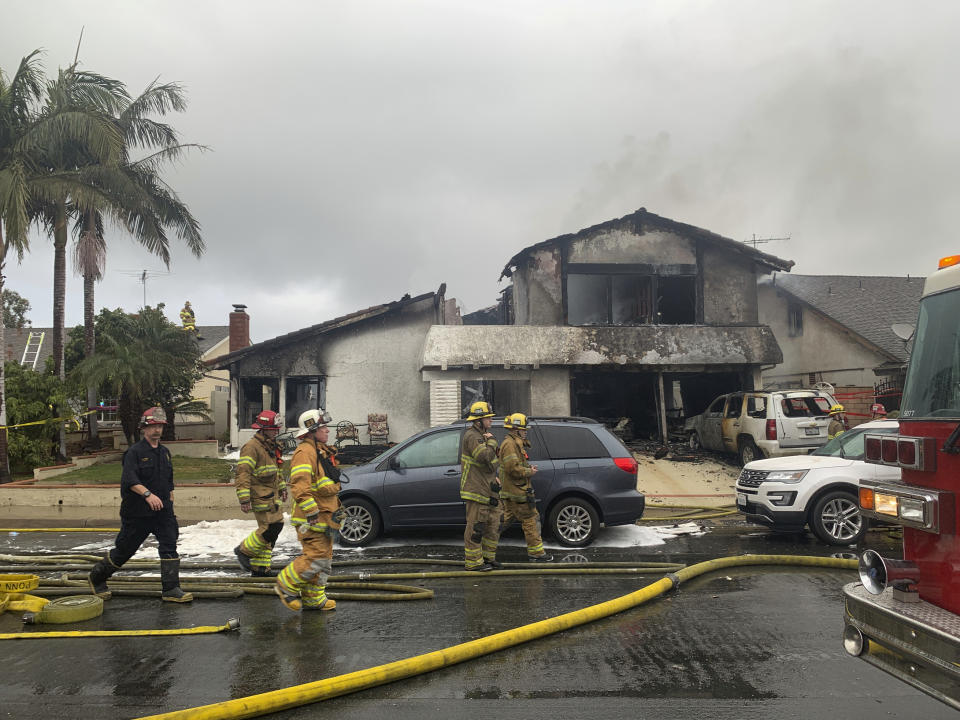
(313, 492)
(479, 461)
(258, 478)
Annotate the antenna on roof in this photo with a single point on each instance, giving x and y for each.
(754, 241)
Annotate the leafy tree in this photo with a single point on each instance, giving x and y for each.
(145, 360)
(33, 396)
(15, 309)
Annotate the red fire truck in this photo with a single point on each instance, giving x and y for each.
(904, 615)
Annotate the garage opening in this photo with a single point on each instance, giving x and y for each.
(698, 390)
(623, 400)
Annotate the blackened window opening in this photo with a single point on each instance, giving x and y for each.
(624, 299)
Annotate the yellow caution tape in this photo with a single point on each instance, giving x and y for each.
(72, 418)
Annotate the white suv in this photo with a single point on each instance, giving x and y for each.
(819, 490)
(756, 424)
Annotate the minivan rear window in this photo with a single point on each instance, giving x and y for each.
(571, 442)
(804, 406)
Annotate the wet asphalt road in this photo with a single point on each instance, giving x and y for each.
(754, 642)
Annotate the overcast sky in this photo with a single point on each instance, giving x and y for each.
(362, 150)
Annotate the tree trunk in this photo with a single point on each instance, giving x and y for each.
(127, 411)
(5, 476)
(170, 429)
(59, 298)
(89, 347)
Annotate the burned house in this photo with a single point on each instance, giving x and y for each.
(640, 319)
(364, 363)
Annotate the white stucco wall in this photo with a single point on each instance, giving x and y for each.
(375, 368)
(623, 246)
(824, 348)
(729, 288)
(550, 392)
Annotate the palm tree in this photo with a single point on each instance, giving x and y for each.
(138, 199)
(26, 132)
(17, 98)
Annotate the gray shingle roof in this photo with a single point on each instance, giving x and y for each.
(867, 305)
(16, 340)
(211, 334)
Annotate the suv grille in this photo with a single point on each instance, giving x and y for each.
(752, 478)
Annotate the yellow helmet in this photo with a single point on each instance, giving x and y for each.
(517, 421)
(834, 409)
(480, 410)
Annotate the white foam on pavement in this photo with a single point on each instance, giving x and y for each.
(215, 540)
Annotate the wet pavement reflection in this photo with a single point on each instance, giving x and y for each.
(745, 642)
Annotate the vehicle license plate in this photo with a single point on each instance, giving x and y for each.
(741, 500)
(812, 431)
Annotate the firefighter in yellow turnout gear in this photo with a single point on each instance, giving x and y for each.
(836, 426)
(516, 495)
(314, 484)
(188, 318)
(479, 489)
(261, 489)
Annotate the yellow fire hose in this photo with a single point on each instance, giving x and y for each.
(286, 698)
(231, 624)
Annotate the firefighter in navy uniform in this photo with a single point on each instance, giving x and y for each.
(146, 508)
(516, 495)
(261, 489)
(479, 490)
(314, 484)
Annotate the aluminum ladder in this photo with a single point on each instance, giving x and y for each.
(32, 349)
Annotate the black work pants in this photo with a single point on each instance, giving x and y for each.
(133, 531)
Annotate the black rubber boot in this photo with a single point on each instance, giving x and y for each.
(494, 564)
(98, 578)
(244, 560)
(486, 567)
(170, 582)
(264, 572)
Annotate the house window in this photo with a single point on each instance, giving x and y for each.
(795, 319)
(630, 299)
(304, 393)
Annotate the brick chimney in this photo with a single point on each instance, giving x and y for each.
(239, 328)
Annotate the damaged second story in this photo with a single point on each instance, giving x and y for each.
(641, 319)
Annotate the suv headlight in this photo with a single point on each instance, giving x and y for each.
(786, 476)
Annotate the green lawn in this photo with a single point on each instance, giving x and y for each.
(184, 470)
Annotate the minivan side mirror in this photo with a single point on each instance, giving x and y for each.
(394, 463)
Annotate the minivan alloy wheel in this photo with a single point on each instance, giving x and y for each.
(574, 522)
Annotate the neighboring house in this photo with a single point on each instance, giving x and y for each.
(214, 387)
(837, 329)
(641, 317)
(367, 362)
